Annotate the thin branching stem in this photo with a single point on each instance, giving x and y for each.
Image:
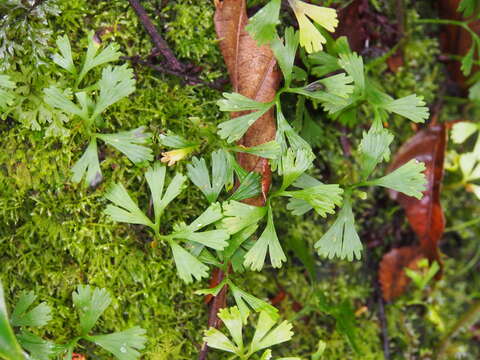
(462, 24)
(469, 317)
(160, 44)
(463, 225)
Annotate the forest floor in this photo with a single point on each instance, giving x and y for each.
(54, 234)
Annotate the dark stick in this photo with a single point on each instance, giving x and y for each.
(372, 267)
(160, 44)
(383, 325)
(218, 303)
(189, 79)
(401, 17)
(171, 64)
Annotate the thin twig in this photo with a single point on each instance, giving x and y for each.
(171, 65)
(383, 326)
(189, 79)
(217, 303)
(160, 44)
(372, 267)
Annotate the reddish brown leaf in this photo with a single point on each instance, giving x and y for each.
(395, 62)
(425, 215)
(391, 273)
(217, 278)
(297, 307)
(277, 300)
(253, 72)
(76, 356)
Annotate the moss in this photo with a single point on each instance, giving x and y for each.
(421, 71)
(54, 235)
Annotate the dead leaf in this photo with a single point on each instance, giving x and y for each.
(254, 73)
(425, 215)
(78, 357)
(217, 278)
(391, 273)
(395, 62)
(278, 298)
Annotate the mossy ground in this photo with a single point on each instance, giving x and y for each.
(53, 234)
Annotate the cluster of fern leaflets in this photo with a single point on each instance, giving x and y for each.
(233, 235)
(18, 342)
(87, 104)
(229, 234)
(342, 87)
(265, 336)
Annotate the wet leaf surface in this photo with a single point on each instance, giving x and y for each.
(425, 216)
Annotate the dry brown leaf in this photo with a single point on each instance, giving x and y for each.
(425, 215)
(391, 273)
(254, 73)
(78, 357)
(395, 62)
(369, 32)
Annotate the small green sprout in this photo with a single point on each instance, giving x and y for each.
(265, 336)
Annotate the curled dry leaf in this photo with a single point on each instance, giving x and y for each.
(254, 73)
(391, 274)
(425, 215)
